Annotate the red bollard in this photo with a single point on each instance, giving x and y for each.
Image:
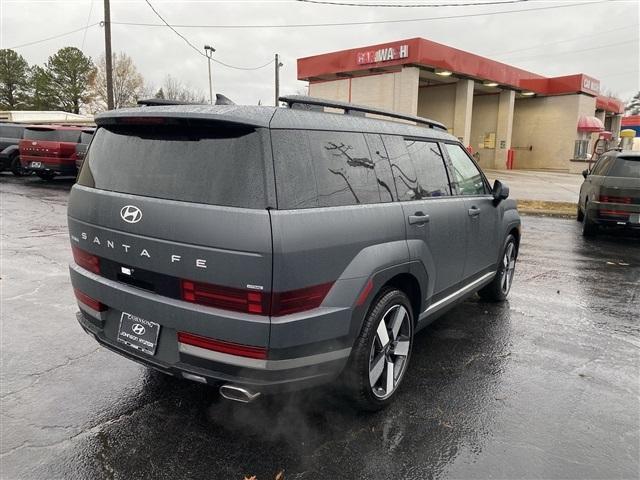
(510, 158)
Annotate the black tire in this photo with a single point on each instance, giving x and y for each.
(499, 288)
(579, 214)
(16, 167)
(48, 176)
(589, 227)
(356, 378)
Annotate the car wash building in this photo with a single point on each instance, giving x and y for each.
(508, 117)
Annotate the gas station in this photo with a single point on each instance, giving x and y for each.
(508, 117)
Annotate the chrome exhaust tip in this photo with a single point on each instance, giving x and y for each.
(238, 394)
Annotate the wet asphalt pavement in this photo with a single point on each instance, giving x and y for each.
(543, 386)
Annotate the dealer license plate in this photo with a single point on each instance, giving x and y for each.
(634, 218)
(138, 333)
(36, 164)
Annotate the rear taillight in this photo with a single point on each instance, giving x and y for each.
(223, 347)
(86, 260)
(612, 199)
(227, 298)
(89, 302)
(293, 301)
(251, 301)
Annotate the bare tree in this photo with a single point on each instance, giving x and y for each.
(174, 89)
(128, 84)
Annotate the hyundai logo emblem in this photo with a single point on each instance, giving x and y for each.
(131, 214)
(138, 329)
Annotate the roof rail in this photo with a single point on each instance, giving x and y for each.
(156, 102)
(351, 109)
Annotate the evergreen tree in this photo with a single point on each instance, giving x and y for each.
(42, 94)
(68, 70)
(14, 80)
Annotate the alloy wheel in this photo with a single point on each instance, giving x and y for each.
(508, 267)
(390, 351)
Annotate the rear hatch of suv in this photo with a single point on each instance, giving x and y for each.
(51, 148)
(169, 223)
(620, 191)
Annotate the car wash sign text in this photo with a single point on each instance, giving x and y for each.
(385, 54)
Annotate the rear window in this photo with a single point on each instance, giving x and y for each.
(625, 167)
(11, 131)
(72, 136)
(212, 165)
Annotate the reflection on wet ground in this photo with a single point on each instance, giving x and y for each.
(545, 385)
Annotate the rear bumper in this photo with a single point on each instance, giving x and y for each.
(191, 362)
(620, 215)
(298, 366)
(49, 164)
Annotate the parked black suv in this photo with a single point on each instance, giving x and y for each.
(610, 193)
(262, 249)
(10, 135)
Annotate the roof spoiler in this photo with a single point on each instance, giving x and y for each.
(158, 102)
(313, 103)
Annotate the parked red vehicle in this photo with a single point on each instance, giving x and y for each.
(49, 150)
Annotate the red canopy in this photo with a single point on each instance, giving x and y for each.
(590, 124)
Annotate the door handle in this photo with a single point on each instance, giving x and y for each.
(474, 211)
(418, 218)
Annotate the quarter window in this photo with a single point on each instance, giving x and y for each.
(344, 170)
(323, 169)
(467, 176)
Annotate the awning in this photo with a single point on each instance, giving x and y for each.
(590, 124)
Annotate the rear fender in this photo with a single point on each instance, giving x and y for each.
(378, 280)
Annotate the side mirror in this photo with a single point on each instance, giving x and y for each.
(500, 191)
(585, 173)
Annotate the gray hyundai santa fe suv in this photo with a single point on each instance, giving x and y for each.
(262, 249)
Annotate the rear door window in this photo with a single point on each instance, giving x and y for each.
(467, 176)
(212, 165)
(625, 167)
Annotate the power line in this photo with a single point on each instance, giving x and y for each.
(196, 48)
(414, 5)
(174, 30)
(634, 40)
(372, 22)
(572, 39)
(55, 36)
(84, 36)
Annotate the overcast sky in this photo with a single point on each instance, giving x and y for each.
(157, 51)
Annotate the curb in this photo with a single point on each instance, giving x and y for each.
(547, 209)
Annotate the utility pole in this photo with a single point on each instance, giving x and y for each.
(278, 65)
(107, 54)
(208, 50)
